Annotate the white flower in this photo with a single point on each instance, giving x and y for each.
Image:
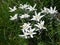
(24, 16)
(40, 25)
(12, 9)
(25, 35)
(37, 17)
(52, 11)
(14, 17)
(27, 7)
(30, 8)
(23, 6)
(45, 10)
(25, 26)
(31, 32)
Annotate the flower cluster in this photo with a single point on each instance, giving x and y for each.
(28, 29)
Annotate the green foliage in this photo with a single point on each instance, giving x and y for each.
(9, 30)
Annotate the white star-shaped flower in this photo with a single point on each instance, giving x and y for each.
(25, 34)
(30, 8)
(13, 17)
(52, 11)
(12, 9)
(37, 17)
(28, 34)
(26, 26)
(23, 6)
(40, 25)
(45, 10)
(31, 32)
(24, 16)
